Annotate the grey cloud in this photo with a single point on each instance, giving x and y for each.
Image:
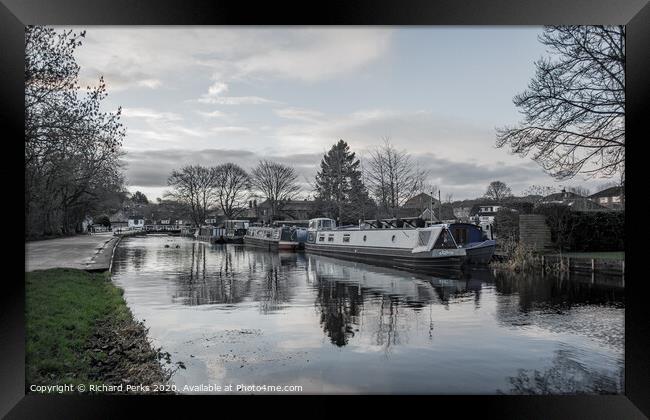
(151, 168)
(463, 179)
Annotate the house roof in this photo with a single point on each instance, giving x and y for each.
(564, 195)
(292, 204)
(608, 192)
(421, 200)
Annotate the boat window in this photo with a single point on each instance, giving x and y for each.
(460, 235)
(346, 238)
(330, 238)
(445, 241)
(393, 238)
(321, 238)
(364, 238)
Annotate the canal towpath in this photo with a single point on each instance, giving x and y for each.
(83, 252)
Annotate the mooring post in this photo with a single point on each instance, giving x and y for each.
(593, 265)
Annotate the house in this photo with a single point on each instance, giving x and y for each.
(287, 210)
(462, 213)
(418, 204)
(119, 221)
(611, 198)
(484, 216)
(136, 222)
(576, 202)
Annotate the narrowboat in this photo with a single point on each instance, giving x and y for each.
(474, 240)
(281, 238)
(233, 231)
(422, 248)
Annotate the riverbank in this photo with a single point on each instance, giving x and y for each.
(80, 331)
(522, 259)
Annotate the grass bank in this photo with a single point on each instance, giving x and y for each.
(80, 331)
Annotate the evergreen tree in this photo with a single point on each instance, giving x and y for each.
(339, 186)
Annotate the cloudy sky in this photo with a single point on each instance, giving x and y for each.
(208, 95)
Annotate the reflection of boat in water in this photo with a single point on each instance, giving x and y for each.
(429, 248)
(413, 288)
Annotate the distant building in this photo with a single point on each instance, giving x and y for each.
(611, 198)
(462, 213)
(418, 204)
(163, 225)
(484, 217)
(136, 222)
(575, 201)
(119, 221)
(287, 210)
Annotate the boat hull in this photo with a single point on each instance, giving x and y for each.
(229, 240)
(435, 260)
(480, 254)
(272, 245)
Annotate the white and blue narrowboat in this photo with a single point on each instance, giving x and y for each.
(423, 248)
(474, 240)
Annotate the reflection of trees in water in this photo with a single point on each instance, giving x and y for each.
(126, 258)
(349, 292)
(555, 304)
(340, 305)
(387, 333)
(275, 290)
(199, 284)
(566, 376)
(553, 291)
(230, 274)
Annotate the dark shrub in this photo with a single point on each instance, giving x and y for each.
(584, 230)
(506, 225)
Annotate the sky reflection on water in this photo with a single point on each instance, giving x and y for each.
(236, 315)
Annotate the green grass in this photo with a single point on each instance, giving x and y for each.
(62, 308)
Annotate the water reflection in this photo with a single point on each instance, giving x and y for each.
(567, 375)
(245, 315)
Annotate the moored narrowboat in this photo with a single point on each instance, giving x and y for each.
(280, 238)
(474, 240)
(422, 249)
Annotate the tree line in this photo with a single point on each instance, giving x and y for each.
(343, 189)
(72, 147)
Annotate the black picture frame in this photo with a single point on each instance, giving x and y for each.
(15, 14)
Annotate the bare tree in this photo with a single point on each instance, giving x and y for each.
(277, 182)
(574, 107)
(72, 147)
(232, 185)
(540, 191)
(497, 191)
(393, 177)
(194, 186)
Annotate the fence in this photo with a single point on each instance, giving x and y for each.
(534, 233)
(584, 265)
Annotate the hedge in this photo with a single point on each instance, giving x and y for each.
(584, 230)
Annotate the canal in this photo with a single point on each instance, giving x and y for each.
(240, 316)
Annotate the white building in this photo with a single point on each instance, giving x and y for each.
(136, 222)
